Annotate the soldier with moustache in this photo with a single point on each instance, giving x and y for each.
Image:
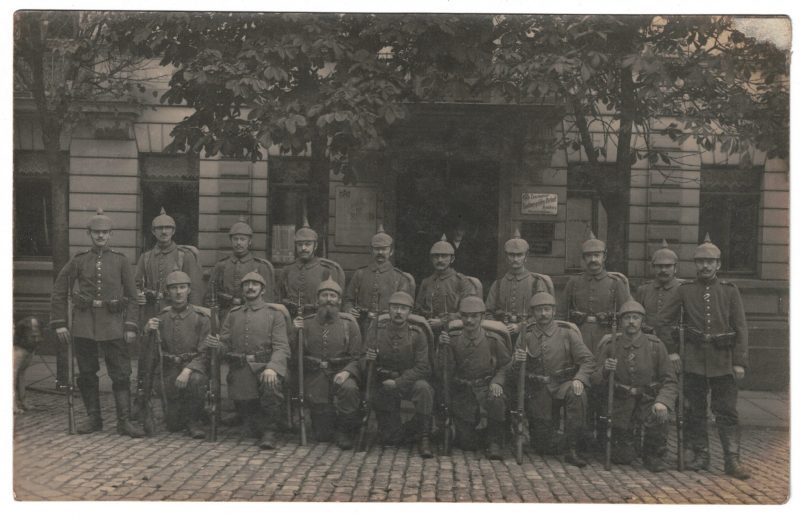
(658, 294)
(183, 328)
(372, 285)
(475, 358)
(104, 302)
(402, 372)
(645, 389)
(715, 358)
(558, 371)
(332, 349)
(297, 286)
(255, 346)
(227, 274)
(509, 295)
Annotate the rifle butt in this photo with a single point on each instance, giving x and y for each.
(609, 423)
(301, 386)
(72, 427)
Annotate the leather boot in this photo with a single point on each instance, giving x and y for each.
(623, 450)
(91, 400)
(424, 437)
(495, 432)
(267, 441)
(323, 423)
(729, 436)
(231, 419)
(572, 455)
(701, 458)
(344, 432)
(195, 430)
(124, 425)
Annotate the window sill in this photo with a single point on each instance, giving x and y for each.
(33, 264)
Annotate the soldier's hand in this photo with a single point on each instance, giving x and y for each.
(371, 354)
(738, 372)
(270, 378)
(298, 322)
(444, 338)
(512, 328)
(153, 324)
(389, 384)
(183, 379)
(434, 322)
(212, 341)
(520, 355)
(354, 312)
(577, 387)
(660, 411)
(62, 333)
(141, 299)
(676, 362)
(610, 364)
(130, 336)
(340, 377)
(495, 390)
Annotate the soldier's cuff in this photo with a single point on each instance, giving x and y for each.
(131, 326)
(57, 324)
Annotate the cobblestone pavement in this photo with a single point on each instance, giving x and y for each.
(49, 464)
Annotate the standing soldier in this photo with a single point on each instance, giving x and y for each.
(228, 273)
(104, 306)
(372, 285)
(509, 295)
(402, 370)
(330, 360)
(590, 301)
(645, 388)
(298, 282)
(656, 295)
(714, 359)
(475, 358)
(256, 348)
(559, 370)
(183, 328)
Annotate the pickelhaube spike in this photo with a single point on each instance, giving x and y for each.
(305, 233)
(708, 238)
(442, 247)
(593, 244)
(381, 239)
(707, 250)
(516, 244)
(162, 219)
(99, 221)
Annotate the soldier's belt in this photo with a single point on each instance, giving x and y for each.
(84, 303)
(599, 318)
(647, 329)
(240, 360)
(644, 393)
(538, 379)
(179, 359)
(474, 383)
(507, 317)
(313, 364)
(385, 373)
(558, 376)
(722, 340)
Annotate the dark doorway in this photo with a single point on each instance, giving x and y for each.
(180, 200)
(439, 195)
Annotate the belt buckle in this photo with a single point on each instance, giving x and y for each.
(708, 338)
(591, 319)
(250, 358)
(323, 365)
(97, 303)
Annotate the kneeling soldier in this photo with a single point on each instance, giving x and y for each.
(332, 348)
(255, 346)
(645, 388)
(402, 371)
(183, 328)
(475, 357)
(558, 371)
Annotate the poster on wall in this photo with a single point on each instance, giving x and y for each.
(534, 203)
(356, 215)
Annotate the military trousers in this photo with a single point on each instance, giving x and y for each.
(184, 405)
(118, 363)
(266, 411)
(724, 395)
(420, 394)
(632, 420)
(542, 405)
(474, 409)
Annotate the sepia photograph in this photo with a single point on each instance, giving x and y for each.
(354, 256)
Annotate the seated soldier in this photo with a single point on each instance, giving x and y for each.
(645, 388)
(399, 350)
(475, 356)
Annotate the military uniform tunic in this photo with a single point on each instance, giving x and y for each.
(373, 285)
(655, 297)
(597, 297)
(258, 330)
(440, 294)
(402, 356)
(227, 277)
(511, 293)
(299, 281)
(153, 267)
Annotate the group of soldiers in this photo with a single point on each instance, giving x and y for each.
(596, 369)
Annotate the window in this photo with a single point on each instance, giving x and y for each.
(289, 182)
(171, 182)
(584, 212)
(729, 203)
(33, 223)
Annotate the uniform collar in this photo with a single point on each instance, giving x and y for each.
(672, 283)
(383, 268)
(599, 276)
(708, 282)
(397, 329)
(247, 257)
(445, 275)
(518, 276)
(313, 261)
(256, 305)
(547, 331)
(478, 336)
(180, 315)
(632, 343)
(169, 249)
(321, 319)
(99, 251)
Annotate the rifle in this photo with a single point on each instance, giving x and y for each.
(70, 387)
(213, 396)
(679, 409)
(366, 408)
(446, 402)
(610, 409)
(157, 342)
(519, 413)
(301, 377)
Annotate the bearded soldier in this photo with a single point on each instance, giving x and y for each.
(657, 294)
(371, 286)
(103, 318)
(228, 273)
(475, 358)
(509, 295)
(645, 388)
(254, 344)
(714, 359)
(298, 282)
(402, 371)
(559, 368)
(332, 348)
(183, 328)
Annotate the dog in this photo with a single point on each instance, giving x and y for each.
(27, 338)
